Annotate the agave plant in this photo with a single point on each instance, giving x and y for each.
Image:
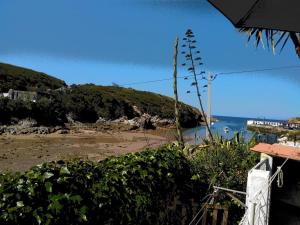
(273, 38)
(193, 64)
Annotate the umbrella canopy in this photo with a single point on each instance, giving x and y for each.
(281, 15)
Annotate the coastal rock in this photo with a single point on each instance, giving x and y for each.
(136, 110)
(63, 131)
(122, 119)
(101, 120)
(158, 122)
(70, 118)
(43, 130)
(2, 129)
(145, 121)
(26, 123)
(133, 122)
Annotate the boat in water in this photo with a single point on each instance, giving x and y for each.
(226, 130)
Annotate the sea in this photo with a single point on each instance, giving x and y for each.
(234, 124)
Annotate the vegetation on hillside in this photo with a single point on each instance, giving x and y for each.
(87, 103)
(18, 78)
(48, 112)
(295, 120)
(267, 130)
(111, 102)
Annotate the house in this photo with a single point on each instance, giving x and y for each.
(273, 187)
(293, 125)
(5, 95)
(20, 95)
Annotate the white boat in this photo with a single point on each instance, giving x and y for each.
(226, 130)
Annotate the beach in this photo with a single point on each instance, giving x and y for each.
(21, 152)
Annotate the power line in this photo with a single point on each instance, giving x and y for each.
(259, 70)
(217, 74)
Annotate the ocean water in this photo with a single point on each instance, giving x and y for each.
(234, 124)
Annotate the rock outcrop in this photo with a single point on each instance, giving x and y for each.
(144, 121)
(29, 126)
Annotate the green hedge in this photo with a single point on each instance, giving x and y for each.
(136, 188)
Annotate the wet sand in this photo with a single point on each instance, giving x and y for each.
(21, 152)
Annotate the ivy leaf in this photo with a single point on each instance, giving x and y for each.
(38, 218)
(20, 204)
(64, 170)
(76, 198)
(83, 217)
(47, 175)
(82, 212)
(48, 186)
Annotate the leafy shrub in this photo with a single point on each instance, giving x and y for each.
(225, 163)
(132, 189)
(45, 111)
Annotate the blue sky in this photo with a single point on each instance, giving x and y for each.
(129, 41)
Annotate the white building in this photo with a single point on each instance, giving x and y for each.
(5, 95)
(265, 123)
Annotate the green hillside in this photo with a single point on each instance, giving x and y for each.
(295, 120)
(22, 79)
(84, 103)
(111, 102)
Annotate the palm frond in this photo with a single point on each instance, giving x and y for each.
(274, 38)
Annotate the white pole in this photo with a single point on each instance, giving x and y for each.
(208, 114)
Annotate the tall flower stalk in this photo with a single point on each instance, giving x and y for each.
(193, 61)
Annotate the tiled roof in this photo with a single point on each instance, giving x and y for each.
(278, 150)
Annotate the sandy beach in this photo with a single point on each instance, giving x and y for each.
(21, 152)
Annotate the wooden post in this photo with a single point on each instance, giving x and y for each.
(225, 217)
(215, 216)
(179, 132)
(204, 216)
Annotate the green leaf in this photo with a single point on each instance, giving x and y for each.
(83, 217)
(20, 204)
(47, 175)
(76, 198)
(38, 219)
(64, 170)
(48, 186)
(83, 211)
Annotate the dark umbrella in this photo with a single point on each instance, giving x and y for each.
(281, 15)
(268, 15)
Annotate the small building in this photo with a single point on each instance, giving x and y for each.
(20, 95)
(273, 187)
(265, 123)
(293, 125)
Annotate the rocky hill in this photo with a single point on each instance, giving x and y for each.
(87, 103)
(18, 78)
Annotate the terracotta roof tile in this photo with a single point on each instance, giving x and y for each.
(278, 150)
